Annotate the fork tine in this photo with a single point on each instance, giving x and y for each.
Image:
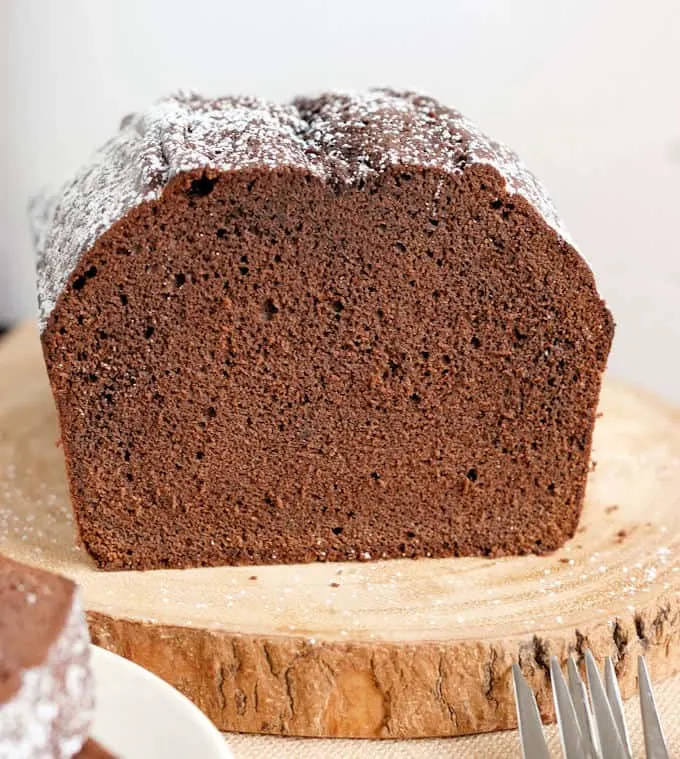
(579, 697)
(611, 687)
(567, 721)
(610, 740)
(529, 720)
(655, 743)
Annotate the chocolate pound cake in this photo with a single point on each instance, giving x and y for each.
(352, 327)
(46, 690)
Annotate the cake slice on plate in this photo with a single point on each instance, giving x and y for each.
(46, 686)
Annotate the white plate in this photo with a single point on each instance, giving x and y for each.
(138, 716)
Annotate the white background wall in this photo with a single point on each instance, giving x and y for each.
(586, 90)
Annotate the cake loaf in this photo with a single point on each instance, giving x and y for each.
(352, 327)
(46, 690)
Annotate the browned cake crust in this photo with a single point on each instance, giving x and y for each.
(275, 363)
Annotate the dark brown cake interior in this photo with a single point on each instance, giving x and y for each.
(262, 368)
(34, 606)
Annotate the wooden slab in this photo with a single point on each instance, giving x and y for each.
(398, 648)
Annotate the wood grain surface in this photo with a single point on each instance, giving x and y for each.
(383, 649)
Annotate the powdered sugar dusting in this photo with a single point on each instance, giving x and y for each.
(230, 134)
(518, 179)
(340, 138)
(357, 134)
(50, 715)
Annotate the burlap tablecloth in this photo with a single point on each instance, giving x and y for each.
(490, 746)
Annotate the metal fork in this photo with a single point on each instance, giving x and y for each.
(590, 728)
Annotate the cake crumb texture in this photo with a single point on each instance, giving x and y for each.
(348, 328)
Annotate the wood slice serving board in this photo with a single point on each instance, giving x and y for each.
(385, 649)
